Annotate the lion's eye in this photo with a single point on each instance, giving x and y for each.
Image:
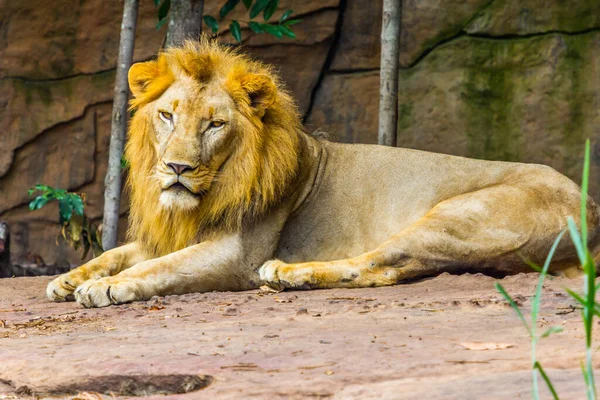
(216, 124)
(166, 116)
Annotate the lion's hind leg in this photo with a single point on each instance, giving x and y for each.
(351, 273)
(489, 231)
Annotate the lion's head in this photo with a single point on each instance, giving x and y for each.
(213, 142)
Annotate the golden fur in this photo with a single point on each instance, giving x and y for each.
(255, 176)
(229, 193)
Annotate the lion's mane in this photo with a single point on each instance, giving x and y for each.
(255, 177)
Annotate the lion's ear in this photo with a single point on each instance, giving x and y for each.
(140, 75)
(261, 90)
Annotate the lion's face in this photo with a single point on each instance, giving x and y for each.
(214, 142)
(194, 126)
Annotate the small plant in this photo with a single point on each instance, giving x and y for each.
(279, 28)
(532, 328)
(76, 229)
(588, 300)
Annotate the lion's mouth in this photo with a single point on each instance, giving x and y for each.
(179, 187)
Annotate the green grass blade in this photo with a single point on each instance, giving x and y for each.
(532, 265)
(576, 238)
(552, 330)
(514, 305)
(576, 296)
(584, 192)
(535, 305)
(538, 366)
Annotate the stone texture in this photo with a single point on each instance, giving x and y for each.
(45, 161)
(31, 107)
(85, 140)
(526, 17)
(531, 100)
(373, 343)
(347, 107)
(425, 23)
(50, 40)
(359, 43)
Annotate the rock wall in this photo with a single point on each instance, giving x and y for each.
(508, 80)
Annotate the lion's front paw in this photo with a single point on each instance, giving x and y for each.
(280, 275)
(268, 272)
(62, 288)
(106, 291)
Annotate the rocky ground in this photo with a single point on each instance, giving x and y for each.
(452, 337)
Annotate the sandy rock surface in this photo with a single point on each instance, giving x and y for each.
(452, 337)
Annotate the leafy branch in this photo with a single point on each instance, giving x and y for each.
(279, 28)
(77, 229)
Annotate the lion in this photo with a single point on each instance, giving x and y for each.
(229, 192)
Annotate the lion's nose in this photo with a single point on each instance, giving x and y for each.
(179, 168)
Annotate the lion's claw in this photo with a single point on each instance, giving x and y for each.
(62, 288)
(105, 292)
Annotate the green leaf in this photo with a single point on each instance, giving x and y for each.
(65, 209)
(285, 16)
(287, 31)
(576, 238)
(38, 203)
(44, 188)
(273, 30)
(163, 10)
(584, 192)
(77, 203)
(212, 23)
(235, 30)
(124, 163)
(161, 23)
(255, 27)
(292, 22)
(227, 7)
(156, 2)
(258, 7)
(30, 191)
(583, 302)
(247, 4)
(538, 366)
(514, 305)
(552, 330)
(270, 9)
(535, 305)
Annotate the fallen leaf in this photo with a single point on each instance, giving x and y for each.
(270, 336)
(486, 346)
(328, 372)
(156, 308)
(317, 366)
(278, 300)
(88, 396)
(241, 367)
(269, 289)
(351, 298)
